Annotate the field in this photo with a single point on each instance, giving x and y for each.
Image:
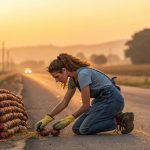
(133, 75)
(131, 70)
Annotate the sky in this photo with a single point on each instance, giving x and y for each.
(70, 22)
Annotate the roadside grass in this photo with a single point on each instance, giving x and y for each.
(131, 70)
(131, 75)
(10, 81)
(137, 81)
(5, 75)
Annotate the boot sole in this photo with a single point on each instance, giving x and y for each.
(130, 116)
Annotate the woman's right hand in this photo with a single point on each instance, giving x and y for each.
(42, 123)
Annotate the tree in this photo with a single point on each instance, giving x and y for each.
(98, 59)
(139, 47)
(113, 59)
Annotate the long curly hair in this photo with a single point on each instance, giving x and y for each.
(67, 61)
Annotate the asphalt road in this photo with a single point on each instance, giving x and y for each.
(41, 94)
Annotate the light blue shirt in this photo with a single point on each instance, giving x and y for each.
(90, 77)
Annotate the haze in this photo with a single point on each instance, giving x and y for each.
(69, 22)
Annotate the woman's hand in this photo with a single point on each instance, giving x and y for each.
(63, 122)
(42, 123)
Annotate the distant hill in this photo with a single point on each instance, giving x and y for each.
(49, 52)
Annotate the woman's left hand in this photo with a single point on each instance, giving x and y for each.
(63, 122)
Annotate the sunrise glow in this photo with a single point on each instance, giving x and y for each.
(67, 22)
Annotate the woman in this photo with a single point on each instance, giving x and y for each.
(105, 111)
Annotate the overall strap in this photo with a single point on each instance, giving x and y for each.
(77, 84)
(112, 79)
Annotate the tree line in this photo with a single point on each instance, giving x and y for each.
(139, 47)
(138, 50)
(100, 59)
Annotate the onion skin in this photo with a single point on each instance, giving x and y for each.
(13, 117)
(54, 132)
(7, 103)
(4, 91)
(12, 109)
(45, 132)
(4, 135)
(2, 127)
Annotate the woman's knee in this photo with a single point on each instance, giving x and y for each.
(80, 131)
(83, 131)
(75, 130)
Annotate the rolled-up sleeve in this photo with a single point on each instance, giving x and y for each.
(84, 79)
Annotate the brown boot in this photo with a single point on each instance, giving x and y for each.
(125, 122)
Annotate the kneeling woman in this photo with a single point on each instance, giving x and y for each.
(105, 111)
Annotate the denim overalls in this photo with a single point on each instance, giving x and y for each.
(101, 115)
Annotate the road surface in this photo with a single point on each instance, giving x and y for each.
(41, 94)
